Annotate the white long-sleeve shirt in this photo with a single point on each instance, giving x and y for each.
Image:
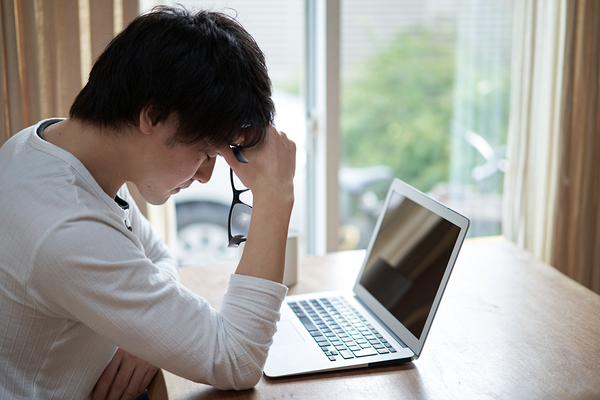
(76, 283)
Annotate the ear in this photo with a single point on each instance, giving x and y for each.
(149, 119)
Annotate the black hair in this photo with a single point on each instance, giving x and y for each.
(203, 67)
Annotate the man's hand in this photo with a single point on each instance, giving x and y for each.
(124, 378)
(269, 174)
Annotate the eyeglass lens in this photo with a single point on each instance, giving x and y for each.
(240, 213)
(240, 219)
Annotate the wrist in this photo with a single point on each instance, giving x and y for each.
(280, 200)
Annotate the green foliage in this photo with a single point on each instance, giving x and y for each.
(398, 107)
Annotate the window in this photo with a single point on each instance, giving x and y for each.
(371, 90)
(424, 97)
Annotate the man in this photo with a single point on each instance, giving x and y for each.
(90, 303)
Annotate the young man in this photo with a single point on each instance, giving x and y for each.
(90, 303)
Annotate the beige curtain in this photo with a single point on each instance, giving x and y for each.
(46, 53)
(552, 186)
(576, 250)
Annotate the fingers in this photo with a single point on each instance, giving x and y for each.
(127, 382)
(269, 164)
(232, 157)
(125, 378)
(148, 377)
(242, 155)
(140, 380)
(107, 377)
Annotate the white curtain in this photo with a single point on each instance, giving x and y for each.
(530, 192)
(480, 112)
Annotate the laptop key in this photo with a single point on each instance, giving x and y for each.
(308, 324)
(346, 354)
(365, 352)
(340, 332)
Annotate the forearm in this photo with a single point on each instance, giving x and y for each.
(264, 252)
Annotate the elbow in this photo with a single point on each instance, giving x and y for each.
(239, 380)
(250, 380)
(242, 369)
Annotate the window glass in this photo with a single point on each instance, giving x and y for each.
(425, 94)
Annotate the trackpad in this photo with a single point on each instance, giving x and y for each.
(286, 334)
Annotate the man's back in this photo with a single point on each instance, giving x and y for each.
(39, 190)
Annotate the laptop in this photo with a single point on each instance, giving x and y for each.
(387, 315)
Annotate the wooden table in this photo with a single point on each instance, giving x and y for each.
(509, 327)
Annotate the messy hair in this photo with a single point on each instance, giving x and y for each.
(204, 67)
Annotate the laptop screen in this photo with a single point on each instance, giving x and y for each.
(408, 260)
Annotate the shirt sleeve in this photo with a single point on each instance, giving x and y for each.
(101, 279)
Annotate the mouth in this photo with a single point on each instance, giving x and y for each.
(184, 186)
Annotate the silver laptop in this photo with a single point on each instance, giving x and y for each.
(386, 317)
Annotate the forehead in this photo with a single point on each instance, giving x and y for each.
(201, 145)
(211, 145)
(211, 142)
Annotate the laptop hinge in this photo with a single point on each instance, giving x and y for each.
(381, 323)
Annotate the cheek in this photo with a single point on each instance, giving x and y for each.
(183, 165)
(192, 165)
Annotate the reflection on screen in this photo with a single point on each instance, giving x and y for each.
(408, 260)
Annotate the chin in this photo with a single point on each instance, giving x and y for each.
(156, 200)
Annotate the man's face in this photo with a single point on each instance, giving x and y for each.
(169, 168)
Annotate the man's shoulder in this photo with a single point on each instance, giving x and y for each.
(53, 200)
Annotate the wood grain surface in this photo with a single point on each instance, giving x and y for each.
(509, 327)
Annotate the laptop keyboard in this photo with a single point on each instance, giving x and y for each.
(339, 329)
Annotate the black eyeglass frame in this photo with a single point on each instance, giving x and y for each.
(234, 241)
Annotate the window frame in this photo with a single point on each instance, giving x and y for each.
(322, 89)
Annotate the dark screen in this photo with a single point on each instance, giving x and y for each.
(408, 260)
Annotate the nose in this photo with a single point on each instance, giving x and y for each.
(206, 169)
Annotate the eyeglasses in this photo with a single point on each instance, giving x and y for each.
(239, 216)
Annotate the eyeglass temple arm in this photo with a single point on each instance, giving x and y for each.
(238, 155)
(236, 192)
